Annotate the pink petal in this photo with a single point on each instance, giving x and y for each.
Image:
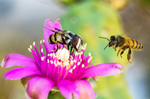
(25, 80)
(39, 87)
(15, 59)
(67, 89)
(49, 24)
(57, 24)
(89, 65)
(106, 69)
(20, 72)
(85, 89)
(47, 32)
(27, 96)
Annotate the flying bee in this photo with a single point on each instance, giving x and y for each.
(123, 43)
(65, 37)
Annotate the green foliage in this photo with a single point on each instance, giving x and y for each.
(91, 19)
(55, 95)
(69, 2)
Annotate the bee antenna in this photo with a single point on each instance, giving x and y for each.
(49, 29)
(106, 46)
(104, 38)
(58, 29)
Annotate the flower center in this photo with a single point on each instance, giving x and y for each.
(62, 54)
(60, 65)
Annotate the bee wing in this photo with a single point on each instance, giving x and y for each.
(134, 31)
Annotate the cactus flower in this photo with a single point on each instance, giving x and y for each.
(56, 70)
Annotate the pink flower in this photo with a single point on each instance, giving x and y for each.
(56, 70)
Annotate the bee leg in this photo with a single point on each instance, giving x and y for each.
(57, 47)
(129, 55)
(119, 52)
(123, 49)
(116, 46)
(113, 47)
(68, 47)
(71, 51)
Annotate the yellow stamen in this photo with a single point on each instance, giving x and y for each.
(31, 46)
(51, 62)
(75, 61)
(89, 54)
(71, 57)
(40, 41)
(52, 50)
(84, 47)
(48, 61)
(42, 58)
(78, 63)
(70, 70)
(81, 53)
(76, 53)
(29, 49)
(82, 65)
(89, 59)
(42, 50)
(34, 43)
(71, 62)
(74, 67)
(51, 54)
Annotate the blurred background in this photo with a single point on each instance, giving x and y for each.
(22, 21)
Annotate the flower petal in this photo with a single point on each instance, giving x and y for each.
(106, 69)
(47, 32)
(89, 65)
(20, 72)
(49, 24)
(67, 89)
(85, 89)
(39, 87)
(27, 96)
(15, 59)
(25, 80)
(57, 24)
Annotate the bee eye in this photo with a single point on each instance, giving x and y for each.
(114, 42)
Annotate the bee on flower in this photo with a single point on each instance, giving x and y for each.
(56, 69)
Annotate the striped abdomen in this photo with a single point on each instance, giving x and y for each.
(134, 44)
(56, 38)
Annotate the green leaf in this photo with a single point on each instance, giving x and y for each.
(55, 95)
(91, 19)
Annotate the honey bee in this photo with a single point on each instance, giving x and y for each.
(123, 43)
(65, 37)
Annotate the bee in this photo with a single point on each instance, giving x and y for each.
(65, 37)
(123, 43)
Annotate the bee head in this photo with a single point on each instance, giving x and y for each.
(112, 41)
(76, 42)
